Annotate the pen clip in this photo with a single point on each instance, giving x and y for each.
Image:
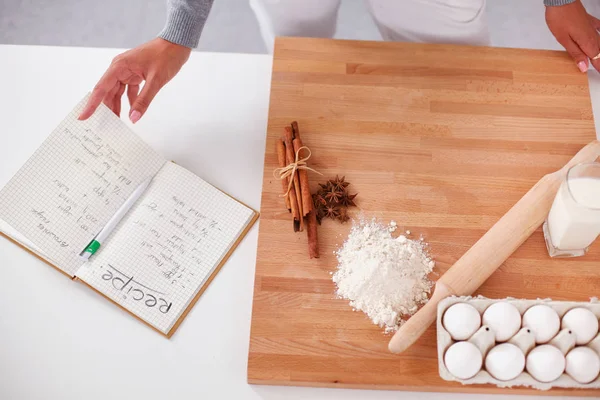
(90, 249)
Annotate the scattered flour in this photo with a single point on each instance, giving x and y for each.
(382, 276)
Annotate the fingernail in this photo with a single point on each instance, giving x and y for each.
(135, 116)
(582, 66)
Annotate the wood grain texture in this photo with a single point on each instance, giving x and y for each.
(442, 139)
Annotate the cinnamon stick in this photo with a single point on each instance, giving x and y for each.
(311, 233)
(290, 158)
(307, 203)
(284, 182)
(295, 211)
(295, 129)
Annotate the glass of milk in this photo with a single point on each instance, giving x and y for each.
(574, 219)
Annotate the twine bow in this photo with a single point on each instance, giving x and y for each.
(290, 170)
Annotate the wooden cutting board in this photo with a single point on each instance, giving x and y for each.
(443, 140)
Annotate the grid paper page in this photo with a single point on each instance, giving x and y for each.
(74, 182)
(165, 249)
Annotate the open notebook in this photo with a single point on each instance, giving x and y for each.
(161, 255)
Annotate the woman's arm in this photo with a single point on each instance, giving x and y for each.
(153, 63)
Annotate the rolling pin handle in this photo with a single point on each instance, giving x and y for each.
(416, 325)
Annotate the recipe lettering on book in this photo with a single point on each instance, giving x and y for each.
(71, 186)
(167, 246)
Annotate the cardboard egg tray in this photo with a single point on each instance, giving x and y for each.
(444, 341)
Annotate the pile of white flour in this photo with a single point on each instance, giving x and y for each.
(382, 276)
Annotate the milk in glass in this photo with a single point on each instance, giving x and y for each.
(574, 219)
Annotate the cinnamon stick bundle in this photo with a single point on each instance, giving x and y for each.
(291, 157)
(291, 200)
(307, 203)
(298, 199)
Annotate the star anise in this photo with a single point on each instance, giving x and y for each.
(325, 187)
(347, 199)
(319, 200)
(319, 203)
(332, 211)
(332, 200)
(334, 195)
(339, 183)
(343, 217)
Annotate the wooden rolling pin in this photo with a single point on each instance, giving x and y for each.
(494, 247)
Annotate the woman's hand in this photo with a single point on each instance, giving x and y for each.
(155, 62)
(577, 31)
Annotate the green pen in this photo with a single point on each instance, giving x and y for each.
(110, 226)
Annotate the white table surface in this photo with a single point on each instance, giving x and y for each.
(59, 339)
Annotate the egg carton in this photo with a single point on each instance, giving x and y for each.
(444, 341)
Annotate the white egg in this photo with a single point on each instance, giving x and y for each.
(504, 319)
(461, 321)
(583, 364)
(463, 360)
(505, 362)
(543, 322)
(582, 322)
(545, 363)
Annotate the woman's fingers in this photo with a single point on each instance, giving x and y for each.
(117, 99)
(143, 100)
(109, 98)
(132, 93)
(105, 84)
(576, 53)
(590, 45)
(588, 42)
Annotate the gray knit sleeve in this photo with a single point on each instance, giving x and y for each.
(185, 20)
(551, 3)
